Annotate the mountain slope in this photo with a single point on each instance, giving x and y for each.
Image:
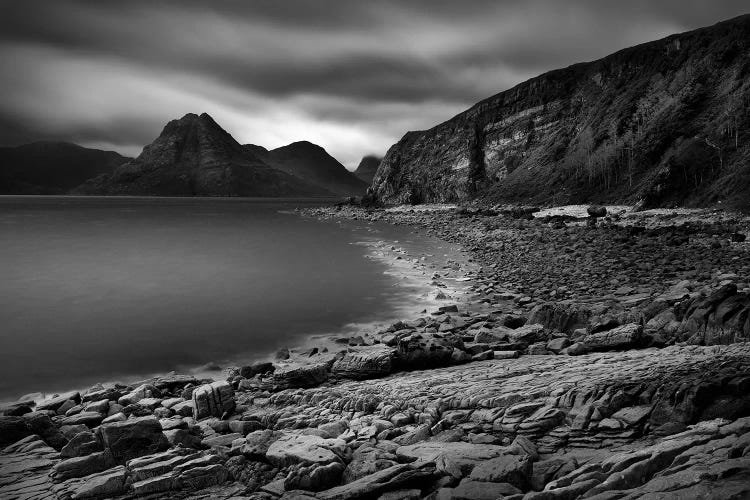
(52, 167)
(313, 164)
(663, 122)
(367, 168)
(194, 156)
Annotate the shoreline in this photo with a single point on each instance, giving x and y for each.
(412, 294)
(576, 358)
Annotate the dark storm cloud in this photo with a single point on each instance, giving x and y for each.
(352, 76)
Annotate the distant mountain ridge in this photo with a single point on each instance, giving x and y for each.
(52, 167)
(367, 168)
(194, 156)
(312, 164)
(659, 123)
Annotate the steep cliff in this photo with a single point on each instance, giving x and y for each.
(194, 156)
(314, 165)
(663, 122)
(367, 168)
(52, 167)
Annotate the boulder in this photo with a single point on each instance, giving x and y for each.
(259, 368)
(365, 363)
(213, 400)
(133, 438)
(419, 351)
(55, 403)
(82, 466)
(256, 444)
(596, 211)
(12, 429)
(42, 425)
(528, 334)
(89, 418)
(293, 449)
(622, 337)
(513, 469)
(83, 443)
(140, 392)
(556, 345)
(313, 477)
(295, 375)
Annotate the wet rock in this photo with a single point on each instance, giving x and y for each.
(83, 466)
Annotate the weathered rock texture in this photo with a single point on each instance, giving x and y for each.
(664, 121)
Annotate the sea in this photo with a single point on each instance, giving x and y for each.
(96, 289)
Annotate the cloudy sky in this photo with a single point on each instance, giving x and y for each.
(350, 75)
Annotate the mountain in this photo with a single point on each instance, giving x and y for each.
(660, 123)
(313, 164)
(367, 168)
(52, 167)
(194, 156)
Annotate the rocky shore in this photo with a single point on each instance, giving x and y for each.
(603, 358)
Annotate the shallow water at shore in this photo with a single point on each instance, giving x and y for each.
(100, 289)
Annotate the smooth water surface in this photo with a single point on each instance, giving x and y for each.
(92, 289)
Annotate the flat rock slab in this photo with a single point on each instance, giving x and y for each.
(292, 449)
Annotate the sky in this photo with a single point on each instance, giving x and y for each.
(350, 75)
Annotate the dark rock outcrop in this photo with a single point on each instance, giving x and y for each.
(312, 164)
(194, 156)
(367, 168)
(661, 122)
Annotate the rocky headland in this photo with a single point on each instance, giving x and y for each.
(585, 356)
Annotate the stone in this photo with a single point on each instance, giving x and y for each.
(82, 466)
(622, 337)
(290, 449)
(475, 490)
(81, 444)
(300, 375)
(42, 425)
(55, 403)
(89, 418)
(313, 477)
(259, 368)
(513, 469)
(528, 334)
(107, 484)
(183, 438)
(140, 392)
(133, 438)
(256, 443)
(424, 351)
(556, 345)
(213, 400)
(12, 429)
(365, 363)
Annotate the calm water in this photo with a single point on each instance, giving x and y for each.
(94, 289)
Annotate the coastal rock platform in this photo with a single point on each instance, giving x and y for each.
(621, 384)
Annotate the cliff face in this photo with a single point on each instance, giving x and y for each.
(194, 156)
(52, 167)
(367, 168)
(662, 122)
(313, 164)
